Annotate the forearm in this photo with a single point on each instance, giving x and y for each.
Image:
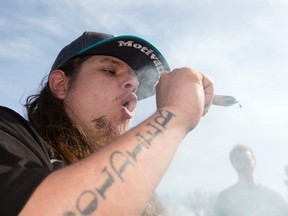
(120, 178)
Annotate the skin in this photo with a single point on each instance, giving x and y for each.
(88, 99)
(123, 175)
(244, 163)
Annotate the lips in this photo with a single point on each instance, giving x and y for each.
(128, 103)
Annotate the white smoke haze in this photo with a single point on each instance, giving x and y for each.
(242, 45)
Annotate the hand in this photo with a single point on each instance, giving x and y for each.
(186, 92)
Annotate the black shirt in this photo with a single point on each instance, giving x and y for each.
(24, 161)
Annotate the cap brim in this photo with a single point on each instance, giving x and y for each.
(145, 59)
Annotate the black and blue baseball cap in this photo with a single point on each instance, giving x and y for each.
(144, 58)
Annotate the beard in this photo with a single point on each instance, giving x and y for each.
(102, 133)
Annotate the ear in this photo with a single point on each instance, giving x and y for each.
(58, 83)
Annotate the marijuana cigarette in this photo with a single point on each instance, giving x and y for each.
(224, 100)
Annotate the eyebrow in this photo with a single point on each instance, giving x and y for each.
(109, 60)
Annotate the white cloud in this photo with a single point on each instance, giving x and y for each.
(279, 4)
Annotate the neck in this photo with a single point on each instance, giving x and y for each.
(246, 179)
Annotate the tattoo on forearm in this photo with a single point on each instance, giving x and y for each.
(109, 181)
(119, 161)
(89, 197)
(117, 156)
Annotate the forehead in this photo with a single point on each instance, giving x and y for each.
(102, 59)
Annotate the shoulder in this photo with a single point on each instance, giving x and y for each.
(229, 191)
(270, 193)
(274, 200)
(267, 191)
(19, 139)
(24, 161)
(7, 115)
(11, 121)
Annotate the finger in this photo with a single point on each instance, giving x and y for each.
(208, 87)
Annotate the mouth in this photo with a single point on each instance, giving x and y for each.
(129, 102)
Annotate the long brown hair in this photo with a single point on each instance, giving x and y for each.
(46, 114)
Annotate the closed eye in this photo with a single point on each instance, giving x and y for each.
(110, 72)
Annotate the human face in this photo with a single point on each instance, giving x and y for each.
(244, 161)
(105, 87)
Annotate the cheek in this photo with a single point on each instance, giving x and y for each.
(89, 99)
(87, 91)
(81, 101)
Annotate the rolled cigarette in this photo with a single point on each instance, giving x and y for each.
(224, 100)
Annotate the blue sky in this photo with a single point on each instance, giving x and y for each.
(242, 45)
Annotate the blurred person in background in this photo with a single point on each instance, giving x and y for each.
(247, 197)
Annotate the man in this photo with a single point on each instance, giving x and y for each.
(247, 197)
(86, 162)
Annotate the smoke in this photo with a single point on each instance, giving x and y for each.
(242, 45)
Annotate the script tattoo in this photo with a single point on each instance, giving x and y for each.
(119, 162)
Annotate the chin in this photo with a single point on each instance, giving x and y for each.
(122, 128)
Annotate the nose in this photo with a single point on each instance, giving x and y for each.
(131, 83)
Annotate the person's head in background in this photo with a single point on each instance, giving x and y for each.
(242, 159)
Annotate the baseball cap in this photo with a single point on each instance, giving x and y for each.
(144, 58)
